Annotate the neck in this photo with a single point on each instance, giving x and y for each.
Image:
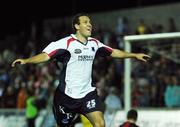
(131, 121)
(81, 38)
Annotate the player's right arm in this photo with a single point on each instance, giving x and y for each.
(42, 57)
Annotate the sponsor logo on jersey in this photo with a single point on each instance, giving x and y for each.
(77, 51)
(85, 58)
(85, 48)
(93, 49)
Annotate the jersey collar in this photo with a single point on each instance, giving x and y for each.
(74, 36)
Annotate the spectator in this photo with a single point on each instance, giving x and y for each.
(31, 107)
(21, 99)
(113, 101)
(9, 98)
(172, 93)
(171, 25)
(141, 29)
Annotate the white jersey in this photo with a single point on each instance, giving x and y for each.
(77, 58)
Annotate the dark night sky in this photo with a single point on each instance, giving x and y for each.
(16, 16)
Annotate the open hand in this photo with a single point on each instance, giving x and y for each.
(142, 57)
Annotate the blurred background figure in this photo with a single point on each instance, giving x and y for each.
(22, 96)
(132, 116)
(112, 105)
(31, 108)
(112, 100)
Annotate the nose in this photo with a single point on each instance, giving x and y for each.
(89, 24)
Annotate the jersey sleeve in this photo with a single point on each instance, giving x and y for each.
(103, 50)
(55, 49)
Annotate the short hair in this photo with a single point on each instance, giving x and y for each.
(75, 19)
(132, 114)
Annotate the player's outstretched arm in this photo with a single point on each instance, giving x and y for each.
(42, 57)
(122, 54)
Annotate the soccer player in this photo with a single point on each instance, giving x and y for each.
(75, 93)
(131, 119)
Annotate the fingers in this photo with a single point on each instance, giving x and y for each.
(18, 61)
(13, 64)
(145, 58)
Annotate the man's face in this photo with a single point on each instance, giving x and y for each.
(84, 26)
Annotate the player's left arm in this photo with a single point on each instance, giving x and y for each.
(116, 53)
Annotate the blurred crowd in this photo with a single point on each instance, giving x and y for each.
(154, 84)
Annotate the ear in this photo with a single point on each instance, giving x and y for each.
(77, 26)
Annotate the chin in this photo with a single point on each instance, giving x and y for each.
(88, 35)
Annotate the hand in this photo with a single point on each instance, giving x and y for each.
(18, 61)
(142, 57)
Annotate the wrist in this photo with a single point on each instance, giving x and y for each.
(134, 55)
(25, 61)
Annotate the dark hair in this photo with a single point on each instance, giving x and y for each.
(75, 20)
(132, 114)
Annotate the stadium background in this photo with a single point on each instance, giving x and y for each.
(27, 28)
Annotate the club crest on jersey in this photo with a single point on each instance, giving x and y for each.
(93, 49)
(77, 51)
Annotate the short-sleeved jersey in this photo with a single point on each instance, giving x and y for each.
(77, 59)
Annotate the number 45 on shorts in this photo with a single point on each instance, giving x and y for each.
(91, 104)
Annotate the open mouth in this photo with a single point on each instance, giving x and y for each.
(89, 30)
